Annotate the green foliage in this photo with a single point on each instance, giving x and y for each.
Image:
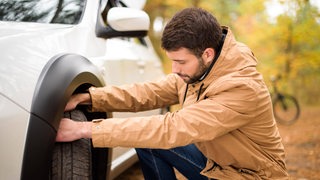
(288, 46)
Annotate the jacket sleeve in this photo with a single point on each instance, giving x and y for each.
(135, 97)
(201, 121)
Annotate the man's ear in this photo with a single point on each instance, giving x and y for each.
(208, 55)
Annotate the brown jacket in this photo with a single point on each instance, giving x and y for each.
(231, 123)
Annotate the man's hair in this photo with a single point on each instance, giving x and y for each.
(194, 29)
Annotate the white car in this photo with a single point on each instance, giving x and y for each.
(51, 49)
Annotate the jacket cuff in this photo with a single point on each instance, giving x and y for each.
(99, 133)
(95, 94)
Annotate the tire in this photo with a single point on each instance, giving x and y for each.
(286, 109)
(72, 160)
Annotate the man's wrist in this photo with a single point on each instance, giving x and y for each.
(86, 129)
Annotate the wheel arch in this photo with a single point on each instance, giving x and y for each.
(63, 75)
(59, 79)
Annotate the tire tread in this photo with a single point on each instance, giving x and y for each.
(72, 160)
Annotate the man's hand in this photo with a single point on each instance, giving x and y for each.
(70, 130)
(83, 98)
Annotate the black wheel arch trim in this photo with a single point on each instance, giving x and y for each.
(59, 79)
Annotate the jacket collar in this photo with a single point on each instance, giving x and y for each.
(233, 57)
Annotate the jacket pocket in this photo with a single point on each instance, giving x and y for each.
(215, 171)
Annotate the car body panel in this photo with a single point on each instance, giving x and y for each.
(12, 137)
(26, 49)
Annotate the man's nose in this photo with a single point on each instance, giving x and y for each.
(175, 68)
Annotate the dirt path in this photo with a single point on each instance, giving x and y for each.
(302, 143)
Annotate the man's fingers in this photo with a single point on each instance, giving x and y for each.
(70, 106)
(76, 99)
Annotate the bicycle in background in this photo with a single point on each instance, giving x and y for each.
(286, 108)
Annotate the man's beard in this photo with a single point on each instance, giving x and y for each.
(192, 79)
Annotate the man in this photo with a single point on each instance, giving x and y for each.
(225, 129)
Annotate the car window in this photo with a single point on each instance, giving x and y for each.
(42, 11)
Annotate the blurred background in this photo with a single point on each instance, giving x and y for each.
(283, 35)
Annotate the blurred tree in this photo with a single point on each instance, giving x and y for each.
(296, 50)
(286, 46)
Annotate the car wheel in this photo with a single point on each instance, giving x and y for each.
(72, 160)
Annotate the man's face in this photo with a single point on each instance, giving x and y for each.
(185, 64)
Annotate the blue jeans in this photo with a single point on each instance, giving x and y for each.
(159, 163)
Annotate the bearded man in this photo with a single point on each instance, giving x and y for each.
(225, 128)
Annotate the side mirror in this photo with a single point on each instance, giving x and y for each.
(124, 22)
(127, 19)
